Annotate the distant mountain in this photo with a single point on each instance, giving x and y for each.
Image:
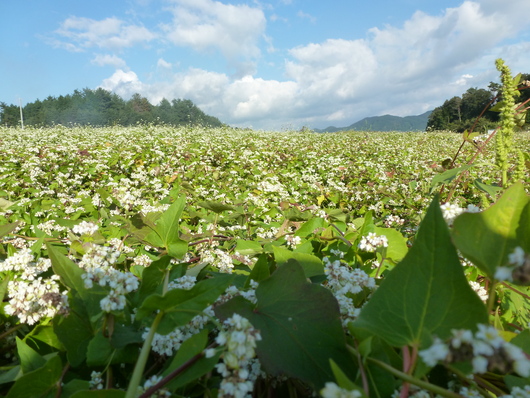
(384, 123)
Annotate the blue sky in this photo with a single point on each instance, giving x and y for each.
(275, 64)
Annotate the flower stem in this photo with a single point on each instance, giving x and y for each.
(409, 378)
(142, 359)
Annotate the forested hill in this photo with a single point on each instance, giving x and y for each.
(385, 123)
(102, 108)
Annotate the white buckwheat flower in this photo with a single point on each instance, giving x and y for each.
(372, 241)
(331, 390)
(85, 228)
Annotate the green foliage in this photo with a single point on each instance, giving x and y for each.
(486, 238)
(100, 107)
(206, 224)
(299, 323)
(426, 294)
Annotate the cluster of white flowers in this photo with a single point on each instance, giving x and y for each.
(293, 241)
(171, 342)
(219, 259)
(143, 259)
(239, 367)
(96, 382)
(150, 382)
(518, 392)
(85, 228)
(372, 241)
(486, 350)
(118, 245)
(480, 290)
(332, 390)
(393, 220)
(451, 211)
(49, 226)
(345, 282)
(98, 263)
(517, 269)
(33, 300)
(32, 297)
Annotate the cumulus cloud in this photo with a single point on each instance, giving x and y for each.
(78, 34)
(107, 59)
(401, 70)
(234, 30)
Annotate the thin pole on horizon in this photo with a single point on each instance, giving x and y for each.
(21, 114)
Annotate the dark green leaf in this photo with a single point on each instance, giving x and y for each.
(74, 331)
(188, 350)
(299, 323)
(181, 306)
(39, 382)
(426, 294)
(99, 350)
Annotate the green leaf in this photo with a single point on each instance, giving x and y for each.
(248, 247)
(69, 271)
(3, 286)
(8, 376)
(216, 207)
(341, 378)
(309, 227)
(311, 264)
(153, 276)
(181, 306)
(189, 349)
(260, 271)
(29, 358)
(447, 176)
(74, 331)
(397, 244)
(299, 323)
(8, 228)
(38, 382)
(47, 335)
(486, 238)
(426, 294)
(5, 204)
(99, 350)
(167, 227)
(74, 386)
(491, 190)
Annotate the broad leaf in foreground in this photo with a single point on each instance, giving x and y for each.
(299, 324)
(426, 294)
(486, 238)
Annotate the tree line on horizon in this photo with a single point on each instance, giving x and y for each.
(100, 107)
(460, 113)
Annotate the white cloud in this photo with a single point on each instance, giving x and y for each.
(124, 83)
(206, 24)
(304, 15)
(398, 70)
(162, 63)
(106, 59)
(78, 34)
